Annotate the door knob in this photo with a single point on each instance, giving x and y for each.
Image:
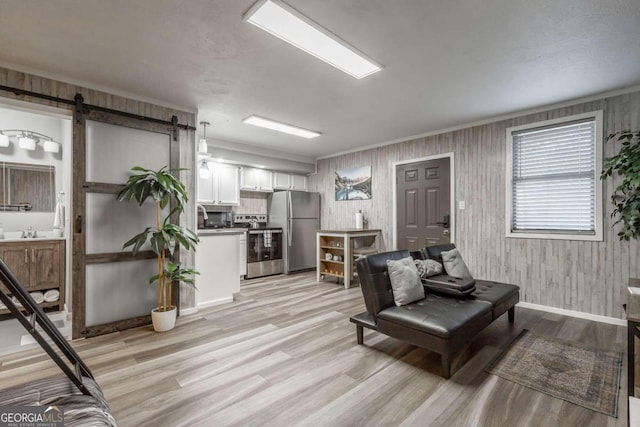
(445, 222)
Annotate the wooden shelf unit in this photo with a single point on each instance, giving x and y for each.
(330, 267)
(341, 243)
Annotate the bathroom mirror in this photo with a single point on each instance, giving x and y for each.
(27, 187)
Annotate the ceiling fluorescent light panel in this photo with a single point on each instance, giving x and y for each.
(286, 23)
(281, 127)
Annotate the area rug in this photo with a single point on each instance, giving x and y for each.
(586, 377)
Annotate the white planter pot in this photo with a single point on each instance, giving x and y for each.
(163, 320)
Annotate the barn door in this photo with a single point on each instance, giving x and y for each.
(110, 287)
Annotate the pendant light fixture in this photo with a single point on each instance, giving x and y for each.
(204, 170)
(4, 140)
(202, 144)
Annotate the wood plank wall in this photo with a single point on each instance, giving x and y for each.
(252, 203)
(94, 97)
(589, 277)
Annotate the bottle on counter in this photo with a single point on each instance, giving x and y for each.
(359, 220)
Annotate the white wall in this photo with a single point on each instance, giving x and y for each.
(584, 276)
(60, 131)
(53, 125)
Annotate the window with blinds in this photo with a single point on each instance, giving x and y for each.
(554, 185)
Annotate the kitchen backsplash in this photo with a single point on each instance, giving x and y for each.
(252, 202)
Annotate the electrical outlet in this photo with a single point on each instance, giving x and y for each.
(461, 205)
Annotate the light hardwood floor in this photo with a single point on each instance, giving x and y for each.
(284, 353)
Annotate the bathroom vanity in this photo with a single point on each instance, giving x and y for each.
(39, 265)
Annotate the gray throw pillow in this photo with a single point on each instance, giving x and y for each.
(454, 264)
(428, 267)
(405, 281)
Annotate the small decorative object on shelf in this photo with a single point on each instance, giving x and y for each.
(328, 256)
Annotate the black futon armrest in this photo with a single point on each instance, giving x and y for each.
(449, 285)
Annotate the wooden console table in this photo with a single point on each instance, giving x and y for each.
(336, 250)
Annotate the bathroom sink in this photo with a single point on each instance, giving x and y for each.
(16, 236)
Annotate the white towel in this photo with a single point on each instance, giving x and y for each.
(52, 295)
(58, 219)
(37, 296)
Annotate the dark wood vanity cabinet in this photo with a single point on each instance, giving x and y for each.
(39, 265)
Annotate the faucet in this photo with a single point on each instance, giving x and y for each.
(28, 234)
(204, 211)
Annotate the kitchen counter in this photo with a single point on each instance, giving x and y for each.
(351, 231)
(217, 231)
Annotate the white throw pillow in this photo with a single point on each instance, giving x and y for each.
(454, 264)
(405, 281)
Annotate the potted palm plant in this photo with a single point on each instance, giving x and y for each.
(165, 238)
(626, 196)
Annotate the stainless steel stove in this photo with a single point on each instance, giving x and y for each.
(264, 245)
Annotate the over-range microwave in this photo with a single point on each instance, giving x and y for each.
(218, 220)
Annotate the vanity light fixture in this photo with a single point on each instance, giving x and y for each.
(281, 127)
(281, 20)
(202, 144)
(51, 146)
(28, 140)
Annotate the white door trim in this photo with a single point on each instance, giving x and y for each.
(452, 176)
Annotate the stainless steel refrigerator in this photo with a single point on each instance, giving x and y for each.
(298, 213)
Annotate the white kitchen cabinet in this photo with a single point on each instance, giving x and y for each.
(289, 181)
(298, 182)
(219, 267)
(281, 181)
(205, 188)
(221, 186)
(253, 179)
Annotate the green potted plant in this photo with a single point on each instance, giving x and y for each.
(626, 196)
(165, 238)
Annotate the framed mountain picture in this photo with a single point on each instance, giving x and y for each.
(353, 183)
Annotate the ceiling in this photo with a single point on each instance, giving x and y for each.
(446, 63)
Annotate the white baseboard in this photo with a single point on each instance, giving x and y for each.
(187, 311)
(572, 313)
(215, 302)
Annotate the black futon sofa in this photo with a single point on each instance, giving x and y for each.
(439, 322)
